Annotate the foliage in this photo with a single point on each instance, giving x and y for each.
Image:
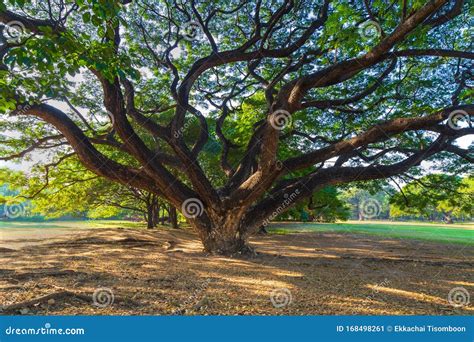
(324, 206)
(432, 195)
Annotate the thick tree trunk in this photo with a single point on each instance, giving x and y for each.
(224, 237)
(231, 245)
(173, 217)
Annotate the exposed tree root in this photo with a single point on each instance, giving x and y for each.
(44, 299)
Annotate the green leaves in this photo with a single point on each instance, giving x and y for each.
(435, 194)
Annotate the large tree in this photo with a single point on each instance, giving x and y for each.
(337, 91)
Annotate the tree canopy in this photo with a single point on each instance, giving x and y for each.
(234, 110)
(435, 195)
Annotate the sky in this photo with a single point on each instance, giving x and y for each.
(36, 156)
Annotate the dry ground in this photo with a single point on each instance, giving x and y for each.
(165, 272)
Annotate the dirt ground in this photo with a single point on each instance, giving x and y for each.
(165, 272)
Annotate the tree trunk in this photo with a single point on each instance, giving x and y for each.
(150, 224)
(226, 245)
(448, 219)
(226, 236)
(156, 214)
(173, 217)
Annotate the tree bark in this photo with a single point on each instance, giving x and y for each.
(173, 217)
(149, 216)
(225, 235)
(448, 218)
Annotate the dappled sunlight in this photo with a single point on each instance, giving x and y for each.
(161, 271)
(461, 283)
(361, 306)
(414, 296)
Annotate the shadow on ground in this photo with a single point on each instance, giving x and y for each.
(165, 272)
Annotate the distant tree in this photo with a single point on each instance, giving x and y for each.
(324, 206)
(68, 189)
(99, 198)
(12, 205)
(367, 202)
(435, 196)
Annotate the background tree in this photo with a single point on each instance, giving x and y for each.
(323, 206)
(435, 197)
(12, 205)
(369, 201)
(140, 90)
(68, 189)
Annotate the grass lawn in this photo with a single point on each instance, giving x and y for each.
(75, 224)
(20, 234)
(454, 233)
(458, 233)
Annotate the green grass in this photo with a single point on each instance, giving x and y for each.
(82, 224)
(458, 233)
(421, 231)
